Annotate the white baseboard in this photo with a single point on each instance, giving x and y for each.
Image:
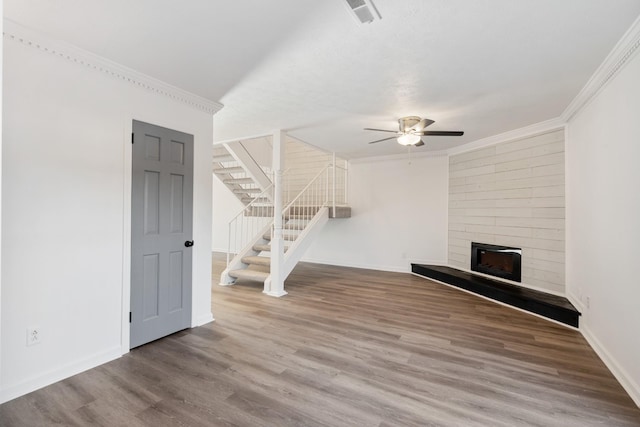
(627, 382)
(394, 269)
(203, 320)
(573, 299)
(58, 374)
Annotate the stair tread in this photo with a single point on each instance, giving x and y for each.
(259, 260)
(223, 158)
(265, 248)
(296, 216)
(247, 190)
(251, 199)
(223, 171)
(285, 236)
(249, 274)
(238, 181)
(295, 226)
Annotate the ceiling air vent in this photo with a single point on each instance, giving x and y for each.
(363, 10)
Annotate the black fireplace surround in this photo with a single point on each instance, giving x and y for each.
(498, 261)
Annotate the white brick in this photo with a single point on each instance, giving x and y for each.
(536, 264)
(555, 169)
(457, 196)
(460, 243)
(471, 155)
(457, 227)
(535, 182)
(473, 171)
(555, 191)
(457, 181)
(523, 144)
(476, 163)
(457, 259)
(480, 220)
(519, 203)
(480, 179)
(548, 255)
(550, 159)
(472, 203)
(483, 238)
(481, 229)
(480, 212)
(501, 194)
(521, 242)
(513, 231)
(457, 189)
(513, 212)
(549, 212)
(539, 202)
(454, 234)
(548, 234)
(513, 174)
(552, 223)
(547, 285)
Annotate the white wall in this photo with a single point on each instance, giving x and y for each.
(66, 201)
(225, 207)
(303, 162)
(603, 222)
(1, 84)
(399, 216)
(512, 194)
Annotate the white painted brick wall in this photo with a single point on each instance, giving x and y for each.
(512, 194)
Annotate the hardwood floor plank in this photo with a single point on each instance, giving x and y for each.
(345, 347)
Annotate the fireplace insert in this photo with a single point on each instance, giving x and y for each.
(498, 261)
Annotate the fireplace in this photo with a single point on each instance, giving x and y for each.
(499, 261)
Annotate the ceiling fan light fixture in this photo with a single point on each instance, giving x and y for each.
(409, 139)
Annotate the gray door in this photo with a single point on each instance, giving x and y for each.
(161, 232)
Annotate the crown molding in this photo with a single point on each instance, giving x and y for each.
(14, 32)
(622, 52)
(512, 135)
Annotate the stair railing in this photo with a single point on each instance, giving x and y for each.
(328, 188)
(316, 194)
(249, 221)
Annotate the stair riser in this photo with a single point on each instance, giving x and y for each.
(289, 237)
(256, 260)
(221, 159)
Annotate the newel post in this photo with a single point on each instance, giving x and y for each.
(275, 287)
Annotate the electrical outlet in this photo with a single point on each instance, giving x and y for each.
(34, 336)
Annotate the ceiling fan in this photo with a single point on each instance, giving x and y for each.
(411, 130)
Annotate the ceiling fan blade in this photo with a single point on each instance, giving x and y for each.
(441, 133)
(380, 140)
(382, 130)
(422, 124)
(419, 144)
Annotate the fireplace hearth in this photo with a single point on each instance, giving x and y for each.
(499, 261)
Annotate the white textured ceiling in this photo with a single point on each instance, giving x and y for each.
(481, 66)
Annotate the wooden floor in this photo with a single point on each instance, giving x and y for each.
(346, 347)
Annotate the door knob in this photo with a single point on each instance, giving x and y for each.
(188, 243)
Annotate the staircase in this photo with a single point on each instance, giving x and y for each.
(302, 220)
(240, 173)
(258, 261)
